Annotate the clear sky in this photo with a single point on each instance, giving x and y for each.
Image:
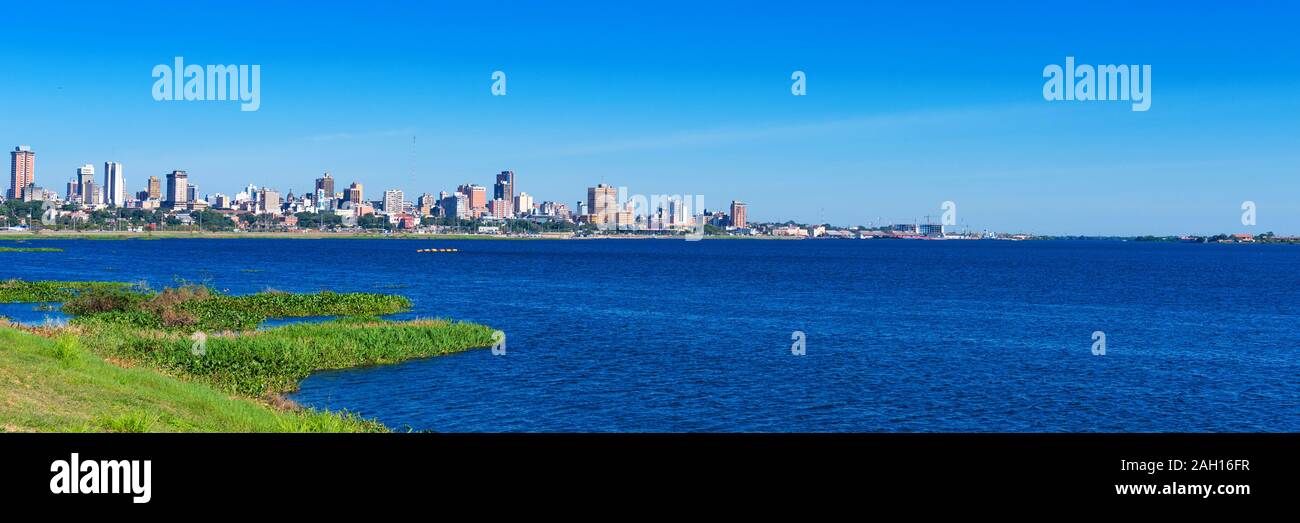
(908, 104)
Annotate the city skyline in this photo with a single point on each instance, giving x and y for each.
(886, 131)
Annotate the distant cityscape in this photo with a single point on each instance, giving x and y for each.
(175, 203)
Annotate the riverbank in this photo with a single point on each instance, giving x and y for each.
(191, 359)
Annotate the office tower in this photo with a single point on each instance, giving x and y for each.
(268, 201)
(353, 194)
(22, 170)
(90, 194)
(457, 206)
(425, 203)
(523, 204)
(325, 184)
(192, 193)
(85, 175)
(505, 188)
(476, 195)
(73, 187)
(114, 184)
(499, 208)
(177, 188)
(393, 201)
(738, 218)
(602, 201)
(155, 189)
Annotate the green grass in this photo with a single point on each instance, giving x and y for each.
(40, 391)
(18, 291)
(154, 334)
(264, 363)
(30, 249)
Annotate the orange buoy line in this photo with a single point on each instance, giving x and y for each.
(437, 250)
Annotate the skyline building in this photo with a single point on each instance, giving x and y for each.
(393, 201)
(504, 189)
(738, 218)
(154, 189)
(85, 176)
(177, 188)
(22, 170)
(602, 202)
(114, 184)
(354, 194)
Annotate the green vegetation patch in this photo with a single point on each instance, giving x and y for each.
(30, 249)
(18, 291)
(55, 385)
(272, 361)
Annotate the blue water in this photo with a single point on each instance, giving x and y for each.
(667, 335)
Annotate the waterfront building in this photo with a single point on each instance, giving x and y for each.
(268, 201)
(738, 218)
(602, 202)
(393, 201)
(114, 184)
(523, 204)
(22, 170)
(154, 191)
(476, 194)
(177, 189)
(85, 176)
(353, 193)
(498, 208)
(505, 187)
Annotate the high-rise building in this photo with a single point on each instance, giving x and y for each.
(22, 170)
(90, 194)
(476, 194)
(192, 193)
(353, 194)
(85, 175)
(425, 204)
(155, 189)
(268, 201)
(499, 208)
(602, 202)
(114, 184)
(738, 218)
(325, 184)
(456, 205)
(177, 188)
(523, 204)
(393, 201)
(505, 188)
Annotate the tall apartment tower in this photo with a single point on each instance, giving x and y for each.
(505, 190)
(353, 194)
(393, 201)
(602, 201)
(177, 188)
(114, 184)
(22, 170)
(85, 178)
(738, 218)
(324, 190)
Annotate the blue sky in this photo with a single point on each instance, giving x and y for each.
(909, 104)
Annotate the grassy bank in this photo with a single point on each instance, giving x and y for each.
(206, 344)
(56, 385)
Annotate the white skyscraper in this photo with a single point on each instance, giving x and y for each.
(114, 184)
(393, 201)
